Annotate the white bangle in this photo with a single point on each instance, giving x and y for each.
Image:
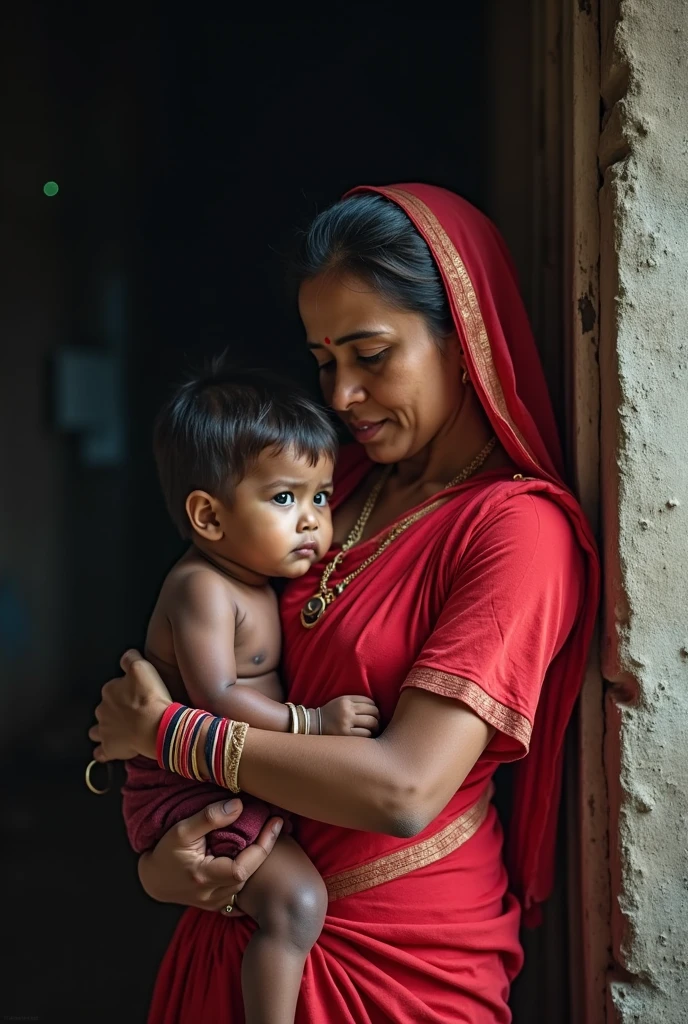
(294, 718)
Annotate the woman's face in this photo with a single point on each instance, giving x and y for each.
(380, 368)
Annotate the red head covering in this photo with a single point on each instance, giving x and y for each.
(505, 370)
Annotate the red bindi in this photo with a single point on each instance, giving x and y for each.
(327, 341)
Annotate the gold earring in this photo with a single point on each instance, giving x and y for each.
(464, 376)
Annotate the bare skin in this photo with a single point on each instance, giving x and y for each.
(433, 426)
(215, 638)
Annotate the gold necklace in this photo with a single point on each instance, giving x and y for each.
(316, 606)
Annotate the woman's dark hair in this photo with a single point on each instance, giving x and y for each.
(214, 427)
(371, 237)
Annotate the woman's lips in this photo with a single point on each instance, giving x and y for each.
(366, 430)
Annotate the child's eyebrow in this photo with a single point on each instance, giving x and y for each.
(271, 484)
(291, 484)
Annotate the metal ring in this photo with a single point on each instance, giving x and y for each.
(230, 906)
(87, 776)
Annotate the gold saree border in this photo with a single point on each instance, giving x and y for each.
(503, 718)
(463, 293)
(411, 858)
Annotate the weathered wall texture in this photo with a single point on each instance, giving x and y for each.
(644, 380)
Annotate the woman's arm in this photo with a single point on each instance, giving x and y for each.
(396, 784)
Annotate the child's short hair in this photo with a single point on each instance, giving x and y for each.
(214, 427)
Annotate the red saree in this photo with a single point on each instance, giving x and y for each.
(490, 600)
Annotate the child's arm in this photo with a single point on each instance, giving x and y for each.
(203, 623)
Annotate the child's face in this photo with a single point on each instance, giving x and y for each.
(279, 522)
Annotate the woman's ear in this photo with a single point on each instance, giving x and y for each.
(202, 510)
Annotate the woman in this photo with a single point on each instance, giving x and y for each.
(469, 617)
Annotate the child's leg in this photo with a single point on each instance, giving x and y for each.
(287, 899)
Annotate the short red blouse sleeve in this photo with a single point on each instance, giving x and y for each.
(514, 598)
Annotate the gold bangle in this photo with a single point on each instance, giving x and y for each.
(301, 711)
(235, 747)
(226, 753)
(293, 716)
(195, 771)
(175, 743)
(87, 776)
(306, 721)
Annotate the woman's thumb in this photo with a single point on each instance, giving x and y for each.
(129, 657)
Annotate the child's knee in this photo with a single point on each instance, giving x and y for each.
(297, 914)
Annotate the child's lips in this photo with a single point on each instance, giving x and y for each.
(307, 548)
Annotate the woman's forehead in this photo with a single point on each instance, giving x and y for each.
(331, 306)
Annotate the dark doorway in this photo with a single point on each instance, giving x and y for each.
(188, 152)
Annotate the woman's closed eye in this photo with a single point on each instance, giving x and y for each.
(371, 360)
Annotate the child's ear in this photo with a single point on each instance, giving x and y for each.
(202, 509)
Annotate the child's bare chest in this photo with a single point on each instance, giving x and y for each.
(257, 637)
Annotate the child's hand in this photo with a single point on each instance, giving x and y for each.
(350, 716)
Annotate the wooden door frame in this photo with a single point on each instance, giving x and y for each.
(543, 83)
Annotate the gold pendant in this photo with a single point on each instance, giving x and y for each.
(313, 611)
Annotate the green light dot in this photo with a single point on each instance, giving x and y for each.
(51, 188)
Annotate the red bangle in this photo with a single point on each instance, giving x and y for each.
(162, 729)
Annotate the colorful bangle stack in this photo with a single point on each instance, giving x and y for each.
(178, 742)
(301, 720)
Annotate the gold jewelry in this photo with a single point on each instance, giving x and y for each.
(304, 724)
(464, 376)
(87, 776)
(316, 606)
(230, 906)
(233, 750)
(293, 717)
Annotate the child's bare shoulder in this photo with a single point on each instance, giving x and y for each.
(195, 584)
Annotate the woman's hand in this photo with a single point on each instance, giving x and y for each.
(180, 870)
(130, 711)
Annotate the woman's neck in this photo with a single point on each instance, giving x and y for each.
(450, 451)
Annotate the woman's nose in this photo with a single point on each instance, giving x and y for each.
(347, 390)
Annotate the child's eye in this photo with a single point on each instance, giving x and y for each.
(371, 360)
(284, 498)
(321, 499)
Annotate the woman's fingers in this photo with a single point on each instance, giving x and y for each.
(366, 733)
(217, 815)
(231, 875)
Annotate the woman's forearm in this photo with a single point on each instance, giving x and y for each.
(342, 780)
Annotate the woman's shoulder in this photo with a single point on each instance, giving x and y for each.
(516, 515)
(527, 507)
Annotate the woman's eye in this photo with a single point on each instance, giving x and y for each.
(326, 367)
(284, 498)
(321, 499)
(372, 360)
